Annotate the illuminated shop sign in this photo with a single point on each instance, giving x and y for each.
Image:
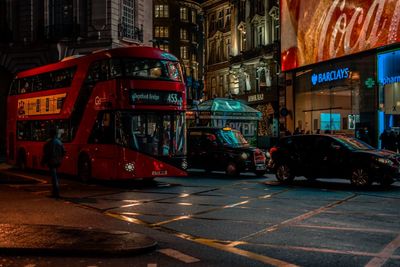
(329, 76)
(144, 97)
(317, 31)
(389, 67)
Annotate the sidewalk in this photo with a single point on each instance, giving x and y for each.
(33, 223)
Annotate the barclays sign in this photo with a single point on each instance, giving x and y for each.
(330, 76)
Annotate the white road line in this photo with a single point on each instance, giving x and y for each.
(178, 255)
(385, 254)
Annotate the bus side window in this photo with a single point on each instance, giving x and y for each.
(25, 86)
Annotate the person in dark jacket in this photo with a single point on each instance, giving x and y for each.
(53, 153)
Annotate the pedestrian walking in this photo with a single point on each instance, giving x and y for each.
(53, 153)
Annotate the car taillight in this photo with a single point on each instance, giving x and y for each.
(272, 150)
(259, 156)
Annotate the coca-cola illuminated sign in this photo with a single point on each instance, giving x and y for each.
(317, 30)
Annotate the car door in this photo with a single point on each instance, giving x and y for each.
(328, 157)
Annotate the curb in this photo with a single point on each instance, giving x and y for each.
(38, 239)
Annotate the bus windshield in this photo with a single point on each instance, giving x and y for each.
(151, 133)
(232, 138)
(151, 69)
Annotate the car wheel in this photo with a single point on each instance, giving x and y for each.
(360, 177)
(284, 173)
(231, 169)
(259, 173)
(84, 168)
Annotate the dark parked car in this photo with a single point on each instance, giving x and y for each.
(333, 156)
(223, 149)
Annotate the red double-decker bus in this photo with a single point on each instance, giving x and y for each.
(119, 112)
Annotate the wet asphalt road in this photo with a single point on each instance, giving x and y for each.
(213, 220)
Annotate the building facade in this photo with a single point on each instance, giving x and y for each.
(178, 29)
(342, 71)
(38, 32)
(242, 57)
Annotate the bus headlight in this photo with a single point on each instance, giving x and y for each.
(184, 164)
(129, 167)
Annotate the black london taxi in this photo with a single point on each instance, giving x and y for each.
(223, 150)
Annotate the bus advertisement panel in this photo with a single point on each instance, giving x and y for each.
(120, 114)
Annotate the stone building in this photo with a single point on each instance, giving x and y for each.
(178, 29)
(242, 57)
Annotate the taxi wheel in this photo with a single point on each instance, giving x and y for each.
(360, 177)
(284, 173)
(231, 169)
(84, 168)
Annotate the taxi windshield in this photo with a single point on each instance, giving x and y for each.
(232, 138)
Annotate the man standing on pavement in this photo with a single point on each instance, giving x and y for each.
(53, 153)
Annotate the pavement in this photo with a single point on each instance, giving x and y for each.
(37, 224)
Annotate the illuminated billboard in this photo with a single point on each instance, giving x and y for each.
(317, 30)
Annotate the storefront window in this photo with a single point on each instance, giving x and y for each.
(333, 98)
(389, 95)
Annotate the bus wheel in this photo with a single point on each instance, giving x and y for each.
(84, 168)
(21, 159)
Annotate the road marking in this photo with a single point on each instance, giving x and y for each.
(178, 255)
(372, 230)
(25, 176)
(320, 250)
(297, 219)
(385, 254)
(245, 253)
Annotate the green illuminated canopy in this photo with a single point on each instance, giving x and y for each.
(228, 108)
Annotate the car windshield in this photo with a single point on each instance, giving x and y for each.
(353, 143)
(232, 138)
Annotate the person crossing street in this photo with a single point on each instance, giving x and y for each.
(53, 153)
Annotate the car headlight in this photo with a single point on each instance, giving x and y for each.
(385, 161)
(244, 156)
(129, 167)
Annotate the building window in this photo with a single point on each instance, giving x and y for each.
(212, 53)
(161, 31)
(184, 52)
(260, 35)
(164, 47)
(161, 11)
(228, 18)
(194, 15)
(220, 22)
(129, 19)
(212, 23)
(184, 34)
(184, 13)
(228, 47)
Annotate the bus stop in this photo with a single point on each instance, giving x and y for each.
(226, 112)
